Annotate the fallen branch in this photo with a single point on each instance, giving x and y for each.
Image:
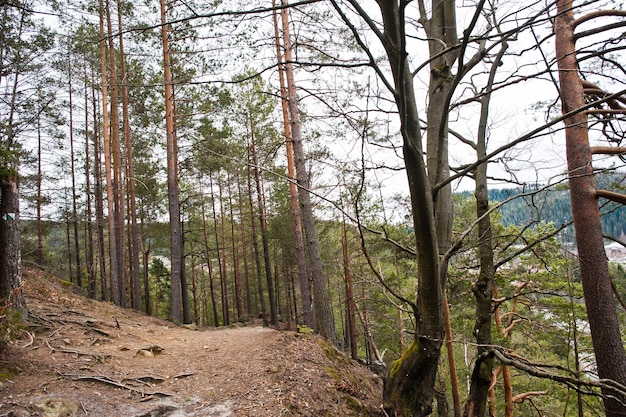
(109, 381)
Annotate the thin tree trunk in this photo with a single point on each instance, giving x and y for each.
(183, 279)
(91, 272)
(244, 246)
(194, 289)
(263, 224)
(255, 247)
(350, 308)
(172, 177)
(40, 258)
(223, 265)
(323, 315)
(237, 278)
(79, 273)
(99, 195)
(482, 376)
(145, 251)
(135, 273)
(218, 251)
(605, 331)
(207, 253)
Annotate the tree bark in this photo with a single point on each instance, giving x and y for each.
(236, 275)
(207, 254)
(263, 224)
(325, 324)
(255, 245)
(79, 273)
(605, 333)
(176, 238)
(117, 232)
(10, 250)
(135, 273)
(482, 375)
(410, 386)
(224, 281)
(91, 271)
(106, 126)
(305, 292)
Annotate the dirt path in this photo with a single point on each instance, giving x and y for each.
(91, 358)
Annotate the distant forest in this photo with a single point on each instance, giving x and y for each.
(538, 203)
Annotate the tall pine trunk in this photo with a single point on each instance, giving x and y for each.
(605, 332)
(325, 324)
(135, 273)
(113, 278)
(119, 286)
(305, 292)
(176, 239)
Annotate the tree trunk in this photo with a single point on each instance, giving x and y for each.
(91, 272)
(40, 257)
(207, 253)
(79, 273)
(222, 255)
(106, 126)
(10, 251)
(305, 293)
(145, 253)
(255, 247)
(119, 290)
(99, 203)
(172, 177)
(410, 387)
(135, 273)
(325, 324)
(605, 332)
(244, 247)
(350, 308)
(222, 271)
(263, 224)
(236, 276)
(476, 405)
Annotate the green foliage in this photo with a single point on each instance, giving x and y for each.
(533, 204)
(161, 279)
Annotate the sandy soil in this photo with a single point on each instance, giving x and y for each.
(82, 357)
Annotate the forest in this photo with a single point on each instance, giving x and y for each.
(427, 184)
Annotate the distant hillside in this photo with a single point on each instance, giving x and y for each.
(553, 205)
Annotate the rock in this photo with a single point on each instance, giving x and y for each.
(58, 408)
(163, 411)
(150, 351)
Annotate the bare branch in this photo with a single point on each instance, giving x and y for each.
(607, 150)
(596, 14)
(611, 195)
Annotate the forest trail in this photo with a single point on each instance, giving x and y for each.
(83, 357)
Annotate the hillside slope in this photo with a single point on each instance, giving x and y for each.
(84, 357)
